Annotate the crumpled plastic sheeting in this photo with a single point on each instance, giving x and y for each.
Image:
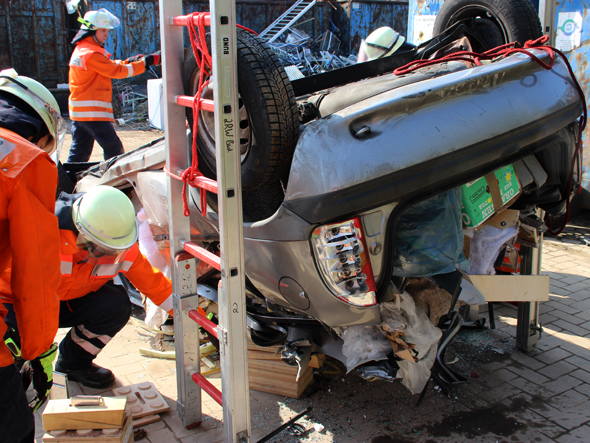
(392, 319)
(154, 315)
(422, 333)
(368, 343)
(485, 247)
(363, 344)
(429, 237)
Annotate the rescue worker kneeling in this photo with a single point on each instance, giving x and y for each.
(98, 235)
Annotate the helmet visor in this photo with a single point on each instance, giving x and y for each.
(59, 124)
(95, 253)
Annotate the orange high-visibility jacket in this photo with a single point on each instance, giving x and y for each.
(80, 278)
(29, 238)
(91, 71)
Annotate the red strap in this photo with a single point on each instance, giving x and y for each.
(197, 34)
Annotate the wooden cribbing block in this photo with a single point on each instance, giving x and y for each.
(59, 414)
(268, 373)
(143, 399)
(120, 435)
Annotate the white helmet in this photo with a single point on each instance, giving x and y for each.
(98, 19)
(380, 43)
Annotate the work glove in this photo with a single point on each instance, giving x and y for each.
(135, 58)
(40, 371)
(152, 59)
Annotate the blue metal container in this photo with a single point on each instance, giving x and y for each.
(35, 35)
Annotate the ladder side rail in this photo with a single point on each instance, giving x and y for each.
(232, 300)
(184, 285)
(284, 14)
(291, 23)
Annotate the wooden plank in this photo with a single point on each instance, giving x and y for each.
(60, 415)
(146, 420)
(253, 347)
(274, 376)
(292, 389)
(121, 435)
(273, 366)
(507, 288)
(258, 355)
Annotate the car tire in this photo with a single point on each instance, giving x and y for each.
(268, 114)
(496, 21)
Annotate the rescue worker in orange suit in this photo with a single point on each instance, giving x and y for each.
(30, 129)
(98, 239)
(91, 71)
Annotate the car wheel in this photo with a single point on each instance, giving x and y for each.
(268, 114)
(496, 22)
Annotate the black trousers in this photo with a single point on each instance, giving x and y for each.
(83, 136)
(95, 319)
(17, 423)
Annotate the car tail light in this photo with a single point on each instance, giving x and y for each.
(341, 254)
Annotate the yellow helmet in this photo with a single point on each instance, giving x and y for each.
(380, 43)
(41, 100)
(105, 218)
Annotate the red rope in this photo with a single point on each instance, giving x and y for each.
(197, 35)
(504, 51)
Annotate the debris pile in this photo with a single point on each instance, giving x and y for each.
(310, 56)
(130, 106)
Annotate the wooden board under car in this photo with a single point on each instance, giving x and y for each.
(507, 288)
(268, 373)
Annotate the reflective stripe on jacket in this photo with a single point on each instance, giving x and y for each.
(91, 71)
(80, 278)
(29, 242)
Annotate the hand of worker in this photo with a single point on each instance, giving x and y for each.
(135, 58)
(40, 371)
(152, 59)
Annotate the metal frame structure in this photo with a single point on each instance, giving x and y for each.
(232, 311)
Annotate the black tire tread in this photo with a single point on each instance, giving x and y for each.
(279, 108)
(521, 21)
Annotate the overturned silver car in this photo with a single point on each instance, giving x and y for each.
(352, 161)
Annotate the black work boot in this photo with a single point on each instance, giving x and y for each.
(92, 376)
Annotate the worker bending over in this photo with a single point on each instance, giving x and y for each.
(30, 124)
(98, 240)
(91, 71)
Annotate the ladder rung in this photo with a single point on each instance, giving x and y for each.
(187, 100)
(206, 386)
(203, 321)
(182, 20)
(203, 254)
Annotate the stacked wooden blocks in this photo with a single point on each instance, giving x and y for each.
(268, 373)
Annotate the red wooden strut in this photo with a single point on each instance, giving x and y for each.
(203, 321)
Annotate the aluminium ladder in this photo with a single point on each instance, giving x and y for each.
(285, 21)
(184, 254)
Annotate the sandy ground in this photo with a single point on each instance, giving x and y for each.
(133, 135)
